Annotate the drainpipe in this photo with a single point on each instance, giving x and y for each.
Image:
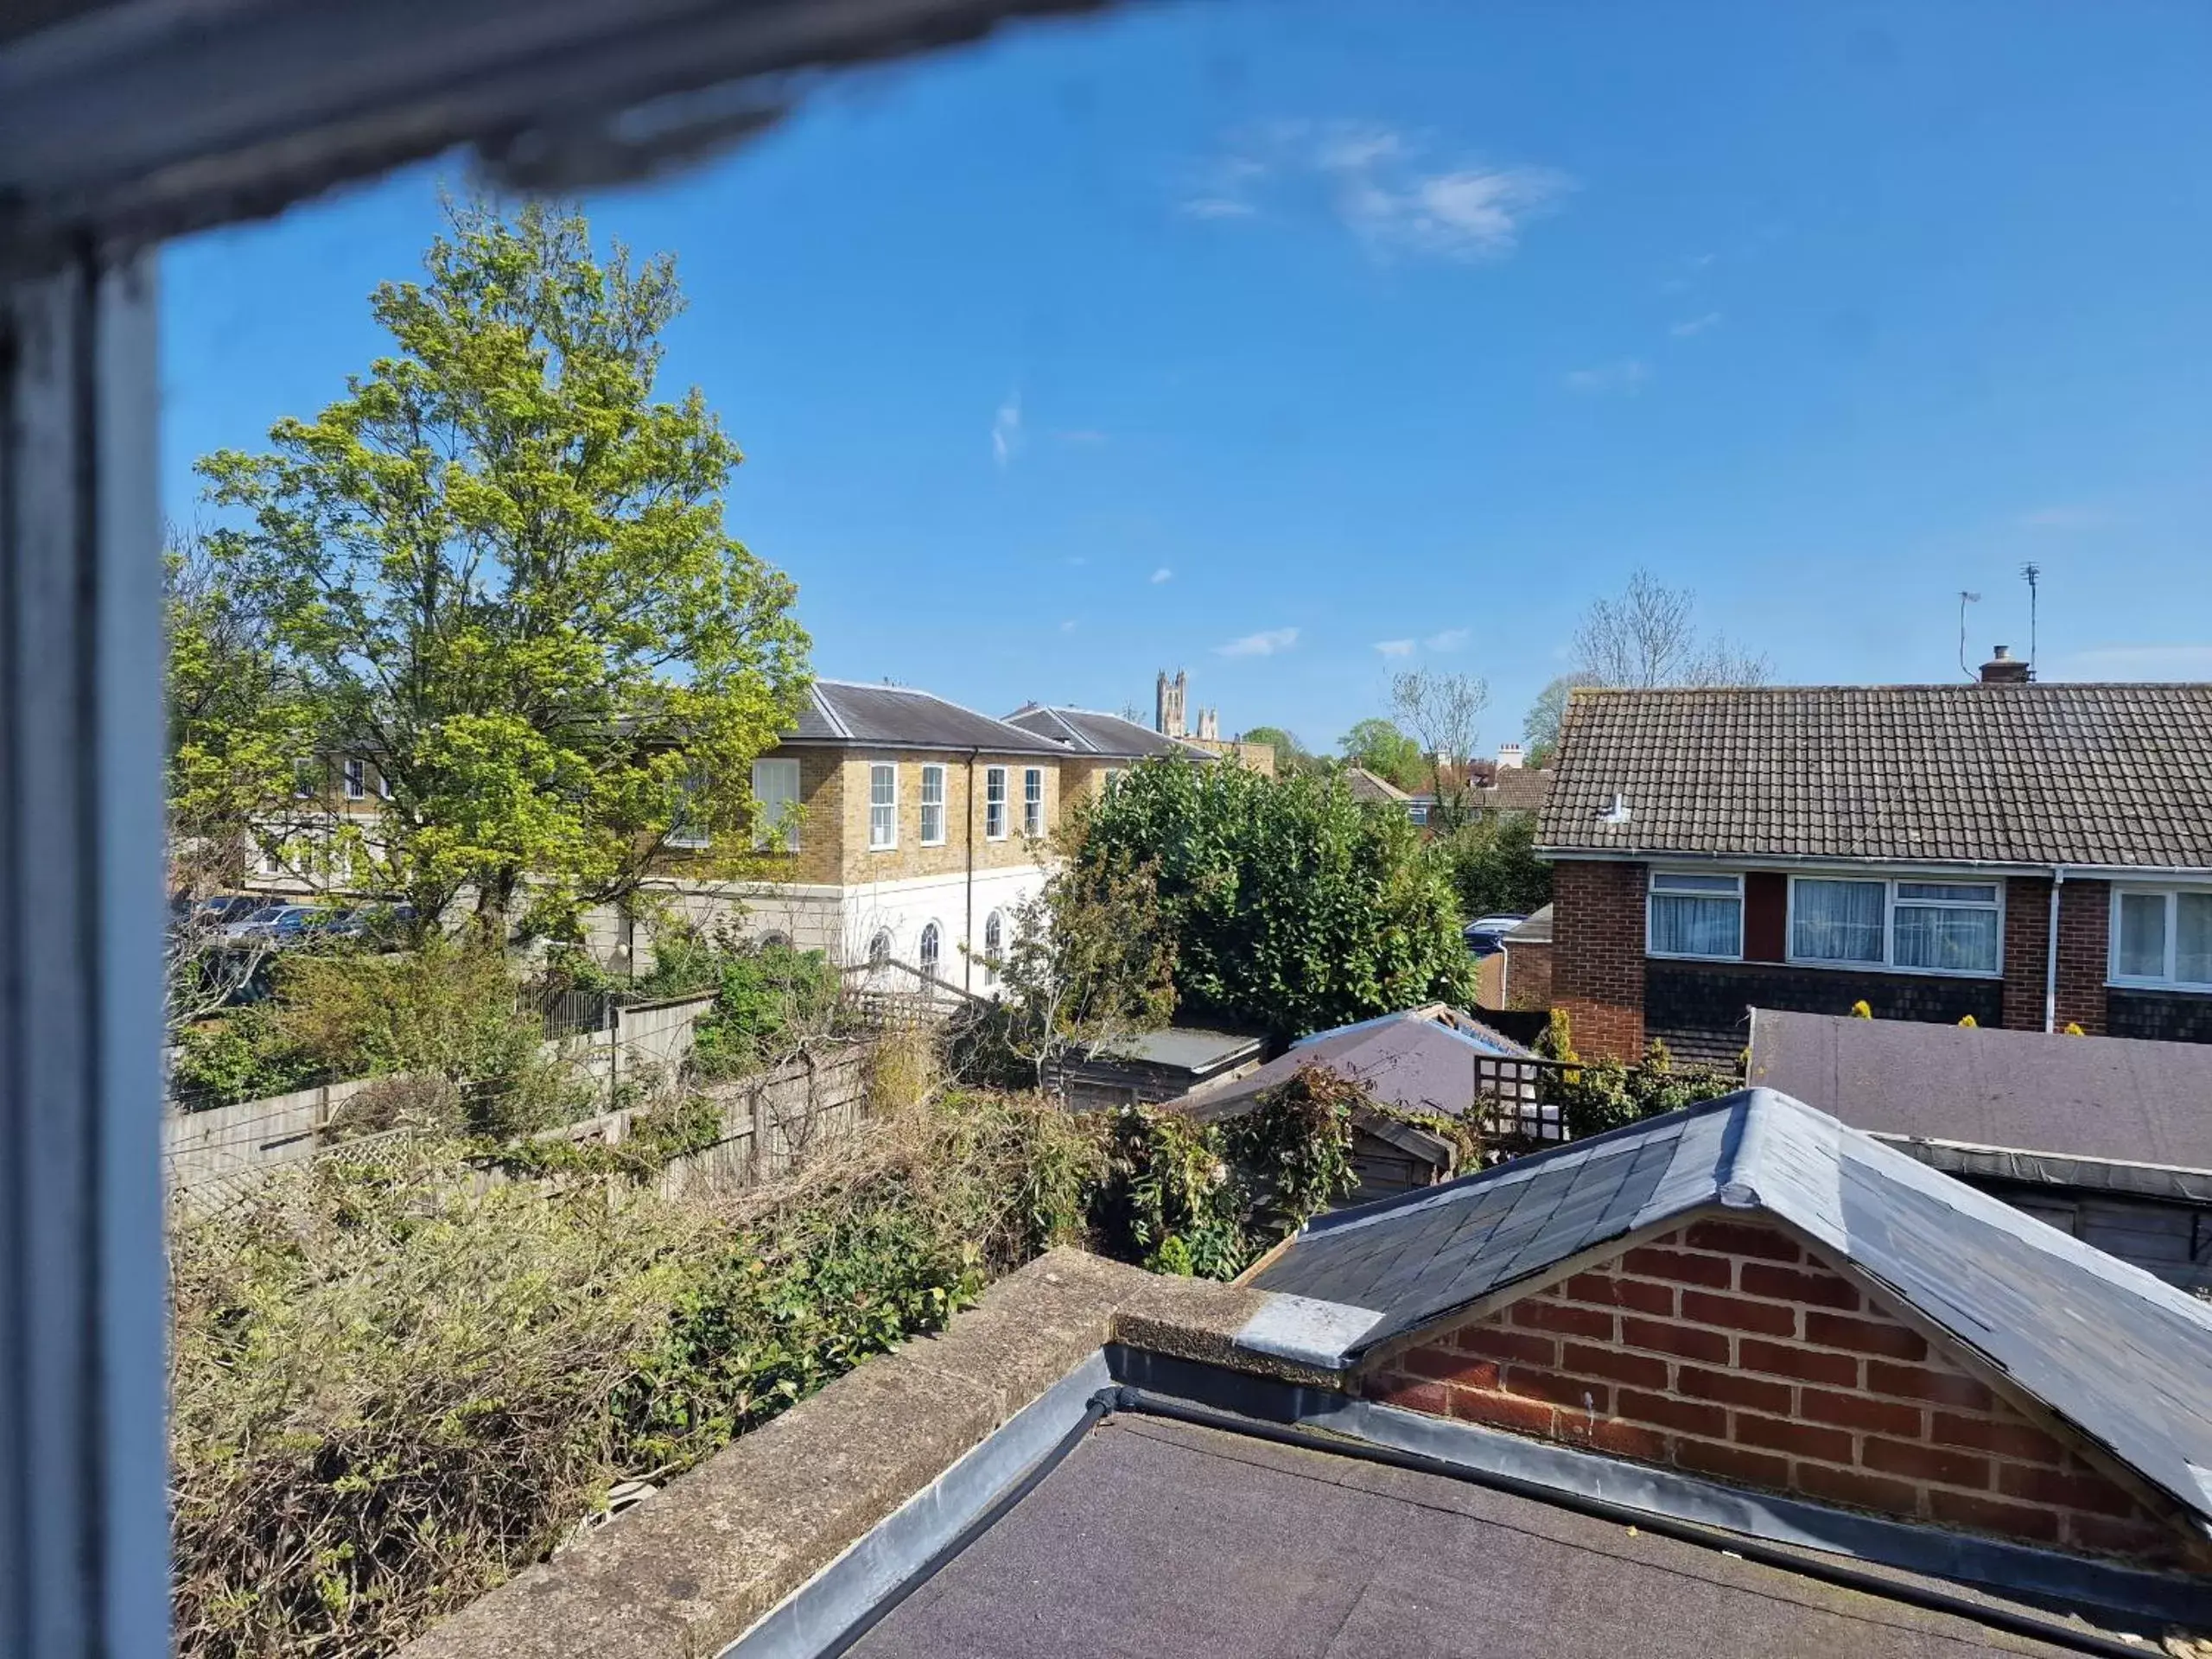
(968, 927)
(2051, 953)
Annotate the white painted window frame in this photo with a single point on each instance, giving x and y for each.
(888, 840)
(933, 770)
(2170, 891)
(1653, 891)
(764, 834)
(355, 773)
(1889, 882)
(1032, 802)
(996, 802)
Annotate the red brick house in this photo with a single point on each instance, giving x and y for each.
(2032, 856)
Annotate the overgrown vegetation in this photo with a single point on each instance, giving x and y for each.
(1599, 1094)
(1493, 865)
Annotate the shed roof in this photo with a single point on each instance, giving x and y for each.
(2102, 776)
(1422, 1059)
(1089, 731)
(1187, 1048)
(1536, 930)
(2124, 1357)
(848, 714)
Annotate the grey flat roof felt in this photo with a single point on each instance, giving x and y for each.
(1173, 1541)
(1109, 737)
(899, 717)
(2106, 776)
(1188, 1049)
(1409, 1059)
(2123, 1357)
(2105, 1098)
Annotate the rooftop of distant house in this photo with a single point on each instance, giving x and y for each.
(852, 715)
(1087, 731)
(2003, 773)
(1367, 786)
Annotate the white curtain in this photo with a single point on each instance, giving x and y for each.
(1838, 921)
(2193, 938)
(1962, 940)
(2142, 935)
(1682, 926)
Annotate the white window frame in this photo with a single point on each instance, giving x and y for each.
(1889, 882)
(2171, 891)
(933, 773)
(929, 960)
(764, 834)
(882, 831)
(994, 803)
(1032, 802)
(1652, 890)
(356, 774)
(994, 950)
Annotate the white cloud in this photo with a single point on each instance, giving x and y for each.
(1067, 627)
(1266, 644)
(1381, 185)
(1006, 429)
(2138, 662)
(1690, 327)
(1394, 647)
(2065, 518)
(1449, 639)
(1162, 575)
(1628, 374)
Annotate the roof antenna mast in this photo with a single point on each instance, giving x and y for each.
(2033, 573)
(1965, 600)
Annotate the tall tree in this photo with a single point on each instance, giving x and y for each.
(1444, 712)
(1540, 729)
(1384, 750)
(1647, 635)
(499, 566)
(1290, 754)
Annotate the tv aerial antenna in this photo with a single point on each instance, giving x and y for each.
(2032, 573)
(1965, 600)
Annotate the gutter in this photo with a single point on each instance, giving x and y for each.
(1838, 861)
(2051, 953)
(968, 925)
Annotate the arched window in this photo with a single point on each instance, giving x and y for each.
(931, 939)
(994, 946)
(879, 949)
(771, 940)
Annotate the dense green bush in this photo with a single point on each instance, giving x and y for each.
(247, 1054)
(1293, 907)
(765, 998)
(1493, 865)
(1599, 1094)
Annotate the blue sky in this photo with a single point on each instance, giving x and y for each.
(1292, 343)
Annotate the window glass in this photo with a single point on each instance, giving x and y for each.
(882, 807)
(879, 949)
(2193, 938)
(2142, 935)
(1032, 802)
(994, 946)
(932, 805)
(1837, 921)
(930, 941)
(357, 780)
(775, 786)
(1695, 916)
(1951, 927)
(994, 803)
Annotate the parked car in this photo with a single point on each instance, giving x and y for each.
(282, 923)
(1485, 935)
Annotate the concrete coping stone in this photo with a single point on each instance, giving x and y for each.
(686, 1572)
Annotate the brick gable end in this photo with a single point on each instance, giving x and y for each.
(1727, 1350)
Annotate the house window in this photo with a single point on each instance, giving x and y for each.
(879, 949)
(1837, 921)
(932, 941)
(994, 803)
(688, 831)
(1695, 915)
(357, 780)
(2163, 937)
(932, 806)
(882, 807)
(775, 791)
(1418, 814)
(1933, 927)
(994, 945)
(1032, 802)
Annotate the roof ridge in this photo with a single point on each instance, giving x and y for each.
(1976, 688)
(837, 721)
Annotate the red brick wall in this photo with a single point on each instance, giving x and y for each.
(1726, 1351)
(2084, 919)
(2027, 935)
(1528, 975)
(1597, 956)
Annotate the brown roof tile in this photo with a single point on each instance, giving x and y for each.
(2100, 775)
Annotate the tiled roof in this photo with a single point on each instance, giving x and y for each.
(2099, 775)
(1369, 786)
(2101, 1345)
(1089, 731)
(847, 714)
(1517, 789)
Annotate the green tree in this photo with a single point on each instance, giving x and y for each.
(1291, 906)
(498, 567)
(1384, 750)
(1291, 755)
(1540, 729)
(1494, 867)
(1092, 960)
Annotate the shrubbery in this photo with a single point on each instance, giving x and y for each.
(1600, 1095)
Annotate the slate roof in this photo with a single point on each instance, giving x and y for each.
(2123, 1357)
(2108, 1098)
(1089, 731)
(1420, 1058)
(2101, 775)
(1156, 1537)
(847, 714)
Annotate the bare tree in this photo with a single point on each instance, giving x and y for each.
(1540, 729)
(1091, 964)
(1444, 713)
(1647, 636)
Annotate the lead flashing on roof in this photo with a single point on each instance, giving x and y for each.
(1312, 1333)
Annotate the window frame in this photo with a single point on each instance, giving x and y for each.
(994, 946)
(354, 774)
(764, 837)
(1652, 892)
(1889, 882)
(996, 802)
(1032, 802)
(2171, 891)
(926, 805)
(929, 949)
(889, 844)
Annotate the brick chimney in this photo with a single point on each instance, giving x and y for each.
(2003, 668)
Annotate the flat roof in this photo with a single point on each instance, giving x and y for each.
(1160, 1537)
(1187, 1048)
